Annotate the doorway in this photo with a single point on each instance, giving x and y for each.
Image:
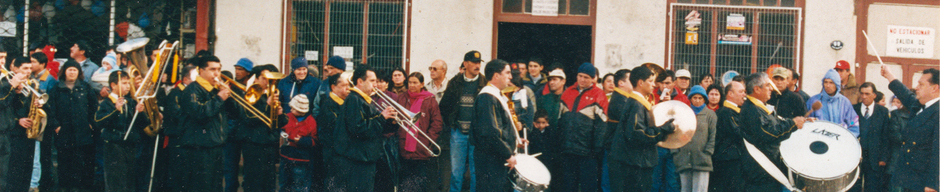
(567, 45)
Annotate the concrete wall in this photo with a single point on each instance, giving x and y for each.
(882, 15)
(248, 29)
(447, 30)
(826, 21)
(629, 33)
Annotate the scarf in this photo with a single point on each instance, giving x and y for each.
(698, 108)
(417, 99)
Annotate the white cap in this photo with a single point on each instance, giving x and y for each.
(300, 103)
(683, 73)
(557, 73)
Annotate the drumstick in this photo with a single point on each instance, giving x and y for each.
(873, 47)
(816, 106)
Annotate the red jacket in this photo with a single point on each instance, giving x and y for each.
(430, 122)
(680, 96)
(307, 130)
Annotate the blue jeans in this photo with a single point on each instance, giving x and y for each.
(231, 154)
(665, 177)
(605, 174)
(37, 169)
(461, 161)
(295, 176)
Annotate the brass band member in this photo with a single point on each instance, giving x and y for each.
(172, 128)
(202, 129)
(113, 117)
(358, 142)
(260, 141)
(492, 133)
(71, 109)
(761, 126)
(16, 150)
(633, 151)
(327, 123)
(728, 146)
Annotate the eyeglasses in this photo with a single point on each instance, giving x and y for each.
(433, 68)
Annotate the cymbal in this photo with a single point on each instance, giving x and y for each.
(684, 120)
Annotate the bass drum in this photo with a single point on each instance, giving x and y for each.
(822, 156)
(529, 174)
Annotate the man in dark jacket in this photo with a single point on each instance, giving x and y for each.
(729, 149)
(201, 140)
(260, 139)
(494, 132)
(618, 104)
(297, 82)
(358, 140)
(114, 116)
(457, 110)
(327, 122)
(171, 131)
(787, 104)
(16, 150)
(873, 127)
(584, 123)
(534, 79)
(917, 163)
(633, 146)
(71, 108)
(762, 128)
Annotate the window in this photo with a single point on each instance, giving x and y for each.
(716, 39)
(374, 31)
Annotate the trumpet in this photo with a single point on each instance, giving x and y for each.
(407, 119)
(35, 113)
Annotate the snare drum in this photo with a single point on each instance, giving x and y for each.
(529, 175)
(822, 156)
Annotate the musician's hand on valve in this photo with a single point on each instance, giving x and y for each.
(26, 122)
(389, 113)
(18, 79)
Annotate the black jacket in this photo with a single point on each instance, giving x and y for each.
(172, 114)
(788, 105)
(634, 141)
(359, 134)
(899, 119)
(114, 124)
(615, 109)
(450, 102)
(327, 120)
(12, 107)
(253, 130)
(873, 132)
(203, 121)
(918, 159)
(583, 121)
(492, 130)
(74, 111)
(765, 131)
(728, 145)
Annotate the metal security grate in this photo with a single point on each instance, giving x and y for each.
(717, 38)
(374, 31)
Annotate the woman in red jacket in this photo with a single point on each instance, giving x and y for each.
(415, 158)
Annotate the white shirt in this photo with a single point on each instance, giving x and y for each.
(867, 110)
(437, 91)
(929, 103)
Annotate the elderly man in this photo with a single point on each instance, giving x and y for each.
(438, 71)
(439, 175)
(761, 127)
(728, 146)
(916, 168)
(873, 124)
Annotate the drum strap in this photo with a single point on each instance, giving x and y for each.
(768, 165)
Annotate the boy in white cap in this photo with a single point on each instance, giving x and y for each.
(300, 134)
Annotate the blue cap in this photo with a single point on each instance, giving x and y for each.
(588, 68)
(337, 62)
(245, 63)
(299, 62)
(698, 90)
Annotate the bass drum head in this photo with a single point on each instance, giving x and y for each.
(532, 169)
(821, 150)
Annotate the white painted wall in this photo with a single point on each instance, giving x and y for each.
(248, 29)
(634, 28)
(826, 21)
(447, 30)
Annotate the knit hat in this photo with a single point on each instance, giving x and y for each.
(111, 59)
(245, 63)
(337, 62)
(300, 103)
(298, 62)
(698, 90)
(588, 69)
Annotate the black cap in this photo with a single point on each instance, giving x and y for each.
(473, 56)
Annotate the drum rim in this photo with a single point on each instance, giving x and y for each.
(842, 175)
(527, 178)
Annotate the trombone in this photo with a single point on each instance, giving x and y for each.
(252, 94)
(406, 119)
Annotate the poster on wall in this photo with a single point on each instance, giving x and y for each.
(736, 21)
(345, 52)
(312, 55)
(545, 7)
(910, 42)
(734, 39)
(691, 38)
(693, 20)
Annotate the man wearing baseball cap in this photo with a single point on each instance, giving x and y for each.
(787, 104)
(849, 86)
(456, 108)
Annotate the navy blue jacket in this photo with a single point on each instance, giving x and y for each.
(873, 132)
(918, 159)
